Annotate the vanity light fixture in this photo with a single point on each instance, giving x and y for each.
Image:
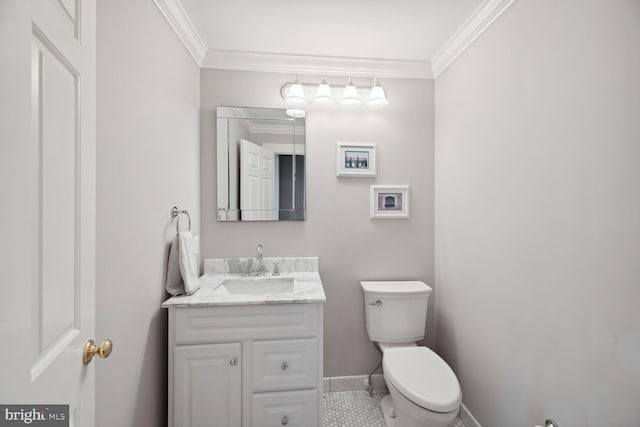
(293, 93)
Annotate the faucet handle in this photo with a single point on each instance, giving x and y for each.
(246, 267)
(276, 268)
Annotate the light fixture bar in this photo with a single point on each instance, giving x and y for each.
(285, 86)
(295, 91)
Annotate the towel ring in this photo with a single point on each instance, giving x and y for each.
(175, 213)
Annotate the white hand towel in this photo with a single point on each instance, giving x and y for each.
(187, 262)
(174, 284)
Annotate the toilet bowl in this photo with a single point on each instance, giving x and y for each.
(425, 392)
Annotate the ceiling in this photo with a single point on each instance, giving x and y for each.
(384, 38)
(374, 29)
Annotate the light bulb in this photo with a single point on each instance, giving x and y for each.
(377, 97)
(295, 95)
(350, 94)
(323, 94)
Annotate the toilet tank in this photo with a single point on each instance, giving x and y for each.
(395, 311)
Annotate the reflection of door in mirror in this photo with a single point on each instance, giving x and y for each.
(257, 183)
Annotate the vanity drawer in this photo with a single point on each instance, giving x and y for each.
(285, 364)
(285, 408)
(232, 323)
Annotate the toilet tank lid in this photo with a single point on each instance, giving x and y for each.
(412, 287)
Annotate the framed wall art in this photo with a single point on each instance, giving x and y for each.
(357, 160)
(389, 201)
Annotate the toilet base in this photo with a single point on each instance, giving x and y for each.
(388, 412)
(398, 411)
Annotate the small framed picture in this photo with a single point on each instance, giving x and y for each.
(357, 159)
(389, 201)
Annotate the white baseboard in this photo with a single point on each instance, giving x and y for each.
(467, 418)
(352, 383)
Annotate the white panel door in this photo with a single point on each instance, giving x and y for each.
(257, 181)
(208, 387)
(47, 187)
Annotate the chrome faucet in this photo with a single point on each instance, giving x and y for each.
(260, 267)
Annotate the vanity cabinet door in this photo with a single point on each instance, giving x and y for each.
(207, 385)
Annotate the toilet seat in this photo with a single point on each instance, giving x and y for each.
(423, 377)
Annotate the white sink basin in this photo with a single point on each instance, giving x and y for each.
(258, 286)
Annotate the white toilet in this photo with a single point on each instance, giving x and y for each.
(425, 392)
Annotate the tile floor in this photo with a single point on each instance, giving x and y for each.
(357, 409)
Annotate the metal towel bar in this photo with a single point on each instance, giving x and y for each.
(175, 213)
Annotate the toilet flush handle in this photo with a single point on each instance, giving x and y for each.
(377, 303)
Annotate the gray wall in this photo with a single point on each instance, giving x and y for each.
(351, 247)
(538, 216)
(148, 150)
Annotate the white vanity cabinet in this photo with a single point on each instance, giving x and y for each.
(245, 365)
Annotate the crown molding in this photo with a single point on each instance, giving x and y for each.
(316, 65)
(474, 26)
(177, 17)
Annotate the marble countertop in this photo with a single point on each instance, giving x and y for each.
(307, 288)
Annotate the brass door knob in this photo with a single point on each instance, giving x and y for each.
(90, 349)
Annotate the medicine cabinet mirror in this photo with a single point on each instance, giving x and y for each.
(260, 164)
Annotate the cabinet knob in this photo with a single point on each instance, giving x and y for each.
(233, 361)
(284, 366)
(284, 421)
